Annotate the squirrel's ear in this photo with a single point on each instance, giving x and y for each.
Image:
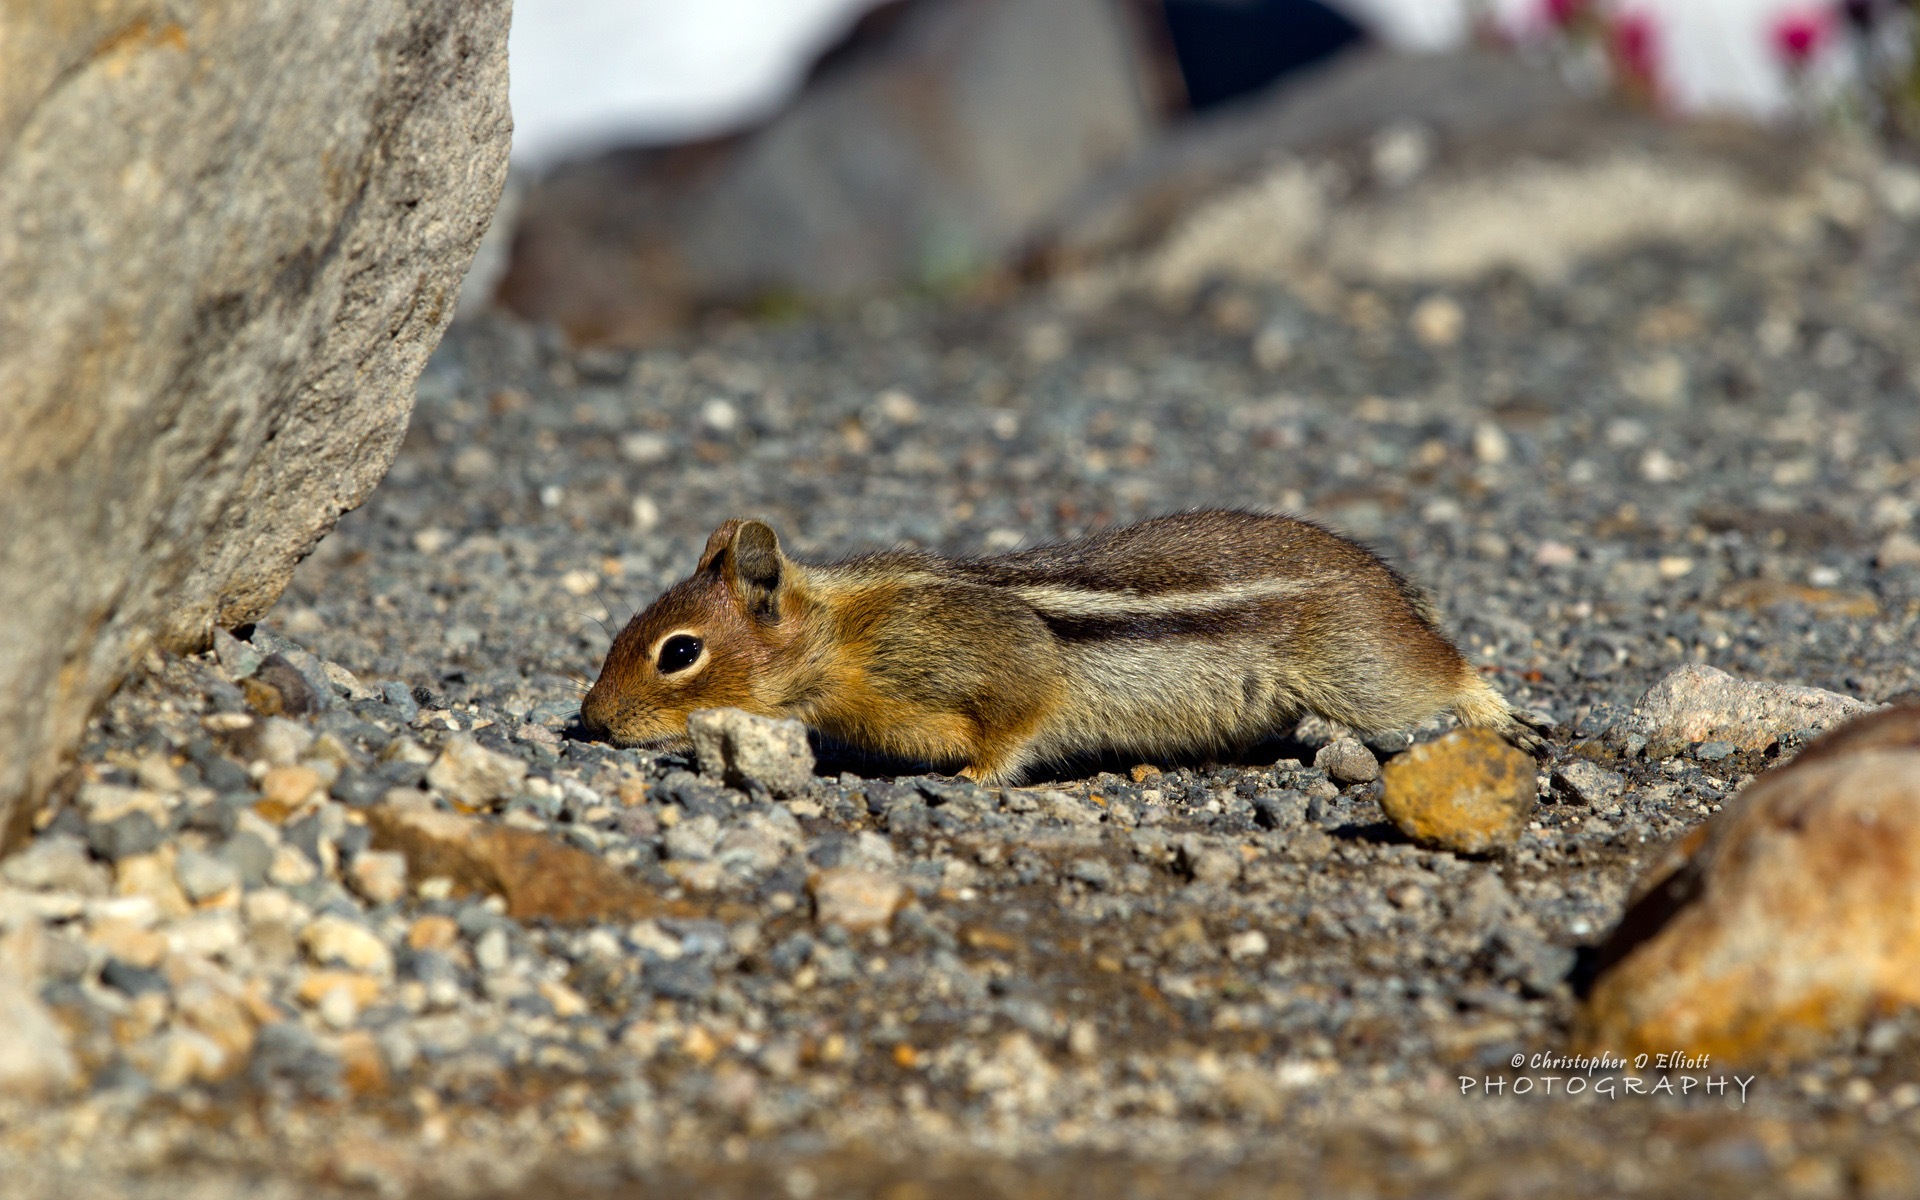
(756, 555)
(755, 567)
(718, 544)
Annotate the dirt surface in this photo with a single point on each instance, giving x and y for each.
(1217, 979)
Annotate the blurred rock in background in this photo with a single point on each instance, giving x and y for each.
(229, 238)
(927, 146)
(950, 143)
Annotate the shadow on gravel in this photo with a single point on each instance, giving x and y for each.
(1380, 833)
(831, 759)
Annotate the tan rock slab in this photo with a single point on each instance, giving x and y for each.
(1469, 792)
(107, 802)
(1759, 595)
(855, 898)
(536, 875)
(1793, 916)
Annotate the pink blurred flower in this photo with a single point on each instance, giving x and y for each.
(1798, 35)
(1563, 14)
(1636, 52)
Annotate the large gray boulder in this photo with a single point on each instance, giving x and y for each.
(229, 237)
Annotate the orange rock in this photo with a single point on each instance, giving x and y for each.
(151, 875)
(566, 1002)
(364, 989)
(219, 1015)
(285, 789)
(699, 1044)
(536, 875)
(263, 698)
(128, 942)
(258, 999)
(1469, 792)
(432, 932)
(1793, 916)
(363, 1067)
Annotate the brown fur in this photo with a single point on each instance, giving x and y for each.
(1199, 632)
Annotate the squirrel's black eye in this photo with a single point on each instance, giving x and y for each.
(678, 653)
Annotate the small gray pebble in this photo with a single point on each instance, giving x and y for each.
(400, 699)
(1581, 782)
(1538, 966)
(402, 774)
(1345, 760)
(427, 966)
(131, 980)
(297, 694)
(1387, 744)
(1714, 751)
(250, 855)
(356, 839)
(124, 836)
(237, 657)
(1094, 872)
(306, 834)
(216, 818)
(286, 1050)
(358, 789)
(202, 875)
(687, 978)
(55, 862)
(1279, 809)
(221, 773)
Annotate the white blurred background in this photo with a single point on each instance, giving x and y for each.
(591, 74)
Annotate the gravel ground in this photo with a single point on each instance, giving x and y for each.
(1219, 978)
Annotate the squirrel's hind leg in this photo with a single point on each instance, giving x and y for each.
(1001, 772)
(1000, 762)
(1478, 704)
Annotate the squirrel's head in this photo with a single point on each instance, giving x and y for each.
(702, 644)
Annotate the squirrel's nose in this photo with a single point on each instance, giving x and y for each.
(593, 715)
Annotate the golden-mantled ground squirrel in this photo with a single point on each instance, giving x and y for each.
(1196, 633)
